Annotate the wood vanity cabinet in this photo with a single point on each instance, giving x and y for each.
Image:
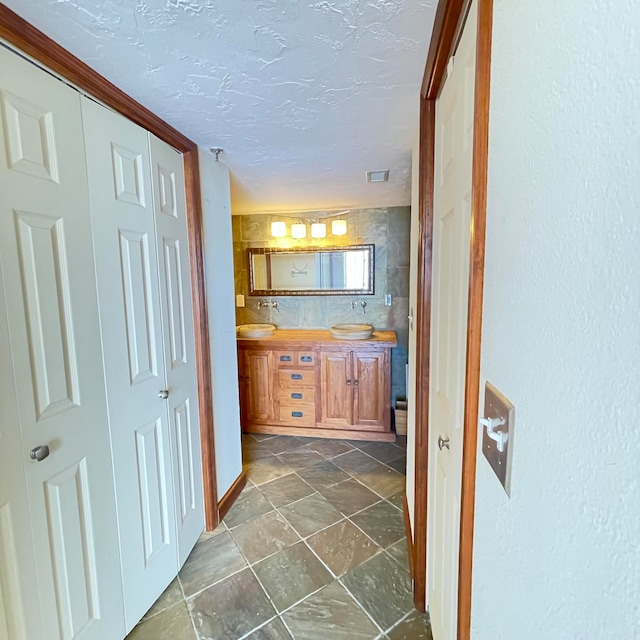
(308, 383)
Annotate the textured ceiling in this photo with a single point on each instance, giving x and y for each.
(303, 97)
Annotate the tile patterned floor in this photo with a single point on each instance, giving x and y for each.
(313, 549)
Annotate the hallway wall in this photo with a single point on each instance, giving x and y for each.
(561, 558)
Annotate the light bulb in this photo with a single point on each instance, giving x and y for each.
(278, 229)
(318, 230)
(339, 227)
(298, 230)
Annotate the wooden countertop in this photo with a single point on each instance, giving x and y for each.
(308, 338)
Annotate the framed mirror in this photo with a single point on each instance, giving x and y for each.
(312, 271)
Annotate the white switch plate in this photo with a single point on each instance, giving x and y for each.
(239, 300)
(387, 300)
(496, 405)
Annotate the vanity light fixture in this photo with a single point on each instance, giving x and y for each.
(318, 230)
(278, 229)
(298, 230)
(339, 227)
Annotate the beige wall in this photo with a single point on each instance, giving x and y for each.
(387, 228)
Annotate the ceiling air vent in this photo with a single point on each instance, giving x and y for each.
(378, 176)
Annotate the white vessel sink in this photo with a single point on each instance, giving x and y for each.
(255, 330)
(351, 331)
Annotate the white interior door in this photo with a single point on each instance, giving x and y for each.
(451, 246)
(123, 223)
(52, 316)
(18, 585)
(167, 171)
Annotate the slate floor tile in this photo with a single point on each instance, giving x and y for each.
(274, 630)
(280, 444)
(382, 588)
(355, 462)
(310, 514)
(415, 627)
(266, 469)
(399, 464)
(331, 448)
(400, 553)
(170, 596)
(231, 608)
(210, 561)
(291, 574)
(300, 458)
(285, 490)
(250, 504)
(397, 500)
(342, 547)
(171, 624)
(383, 451)
(382, 522)
(264, 536)
(350, 496)
(323, 475)
(332, 614)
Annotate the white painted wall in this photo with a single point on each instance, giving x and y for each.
(560, 560)
(218, 243)
(413, 297)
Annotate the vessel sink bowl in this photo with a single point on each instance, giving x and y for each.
(351, 331)
(255, 330)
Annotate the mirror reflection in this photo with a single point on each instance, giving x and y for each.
(312, 271)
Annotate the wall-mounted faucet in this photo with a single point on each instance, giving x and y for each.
(273, 305)
(354, 304)
(364, 307)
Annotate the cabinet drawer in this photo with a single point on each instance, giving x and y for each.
(303, 415)
(305, 359)
(285, 358)
(303, 396)
(296, 378)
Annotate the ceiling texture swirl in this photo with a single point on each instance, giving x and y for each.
(303, 96)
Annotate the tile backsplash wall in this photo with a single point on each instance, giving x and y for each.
(387, 228)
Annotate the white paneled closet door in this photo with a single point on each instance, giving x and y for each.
(179, 344)
(119, 172)
(54, 352)
(18, 585)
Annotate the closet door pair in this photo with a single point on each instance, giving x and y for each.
(59, 557)
(138, 215)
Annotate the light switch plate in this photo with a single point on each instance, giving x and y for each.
(239, 300)
(496, 405)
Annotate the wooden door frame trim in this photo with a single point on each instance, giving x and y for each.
(449, 14)
(35, 44)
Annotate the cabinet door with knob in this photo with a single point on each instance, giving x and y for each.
(355, 389)
(371, 389)
(257, 386)
(336, 387)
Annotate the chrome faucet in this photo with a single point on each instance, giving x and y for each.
(273, 305)
(364, 307)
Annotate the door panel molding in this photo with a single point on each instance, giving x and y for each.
(449, 16)
(19, 33)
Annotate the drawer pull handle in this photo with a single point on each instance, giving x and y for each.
(306, 359)
(296, 414)
(296, 396)
(296, 376)
(285, 358)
